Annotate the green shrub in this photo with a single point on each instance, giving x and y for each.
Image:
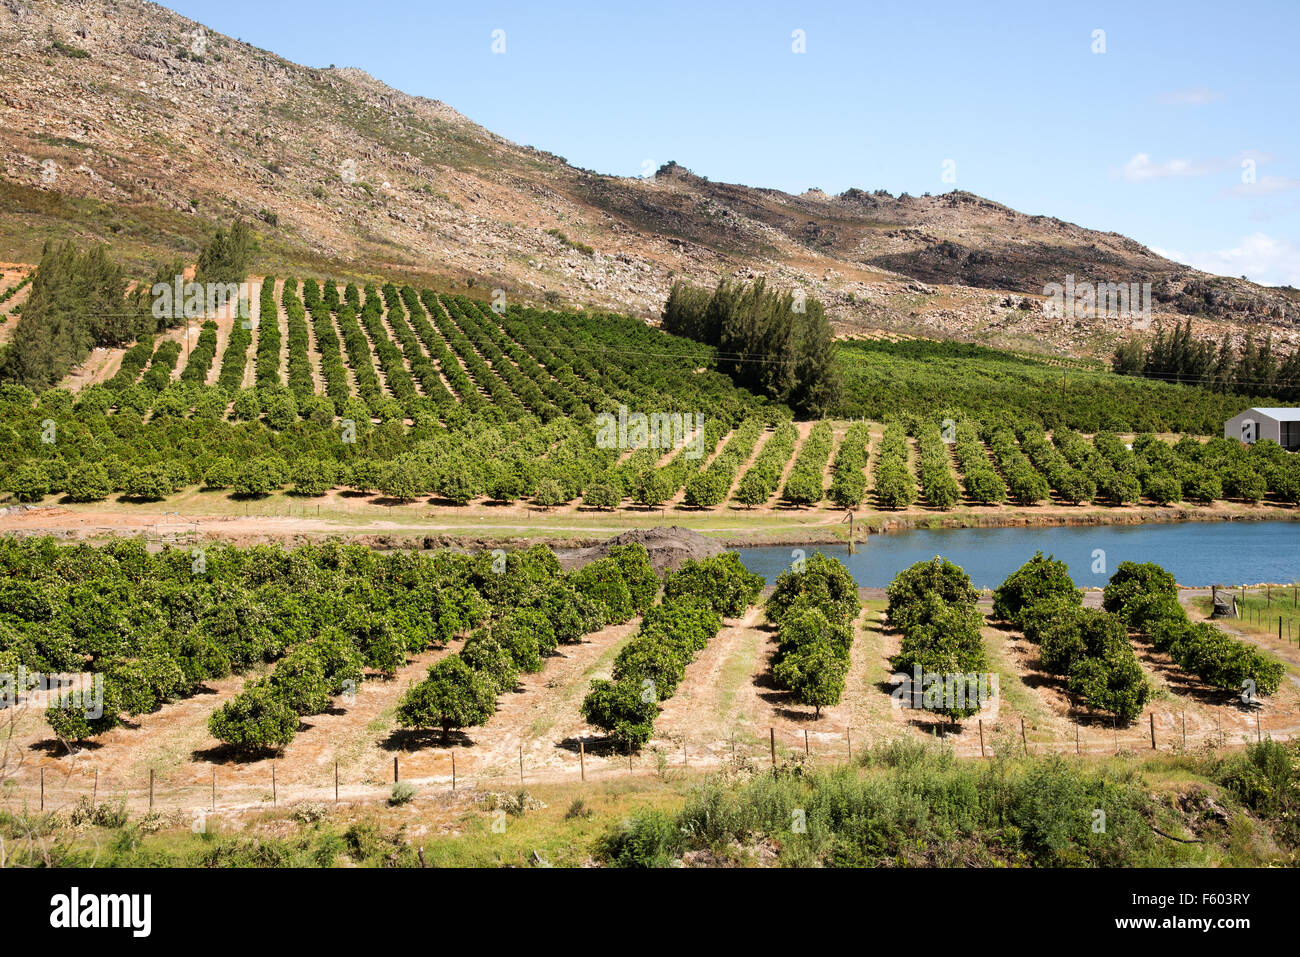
(822, 581)
(403, 793)
(625, 710)
(647, 839)
(1133, 578)
(453, 696)
(722, 580)
(255, 719)
(936, 576)
(1039, 578)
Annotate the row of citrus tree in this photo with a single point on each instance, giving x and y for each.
(152, 627)
(941, 654)
(649, 668)
(813, 606)
(547, 609)
(1091, 648)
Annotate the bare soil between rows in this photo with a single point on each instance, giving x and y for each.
(726, 709)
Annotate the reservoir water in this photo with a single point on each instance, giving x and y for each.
(1198, 553)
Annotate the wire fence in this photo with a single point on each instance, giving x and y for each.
(1273, 610)
(440, 775)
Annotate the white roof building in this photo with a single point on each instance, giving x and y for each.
(1280, 425)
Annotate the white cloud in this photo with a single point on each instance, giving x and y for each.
(1261, 258)
(1141, 168)
(1193, 96)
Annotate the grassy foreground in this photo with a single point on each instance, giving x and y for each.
(901, 804)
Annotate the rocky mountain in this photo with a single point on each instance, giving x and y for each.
(124, 122)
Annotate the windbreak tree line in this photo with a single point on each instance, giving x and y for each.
(78, 301)
(776, 344)
(81, 299)
(228, 255)
(1253, 368)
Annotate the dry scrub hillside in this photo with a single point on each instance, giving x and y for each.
(122, 121)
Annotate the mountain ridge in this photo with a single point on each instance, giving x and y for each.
(165, 128)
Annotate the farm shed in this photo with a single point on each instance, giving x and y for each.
(1280, 425)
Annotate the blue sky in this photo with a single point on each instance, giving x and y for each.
(1147, 138)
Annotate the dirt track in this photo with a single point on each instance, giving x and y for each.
(289, 519)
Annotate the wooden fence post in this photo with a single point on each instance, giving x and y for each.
(396, 778)
(151, 789)
(848, 738)
(806, 752)
(1184, 730)
(582, 758)
(453, 770)
(521, 764)
(43, 788)
(1152, 716)
(771, 732)
(95, 798)
(336, 782)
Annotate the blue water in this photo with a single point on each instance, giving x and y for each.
(1198, 553)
